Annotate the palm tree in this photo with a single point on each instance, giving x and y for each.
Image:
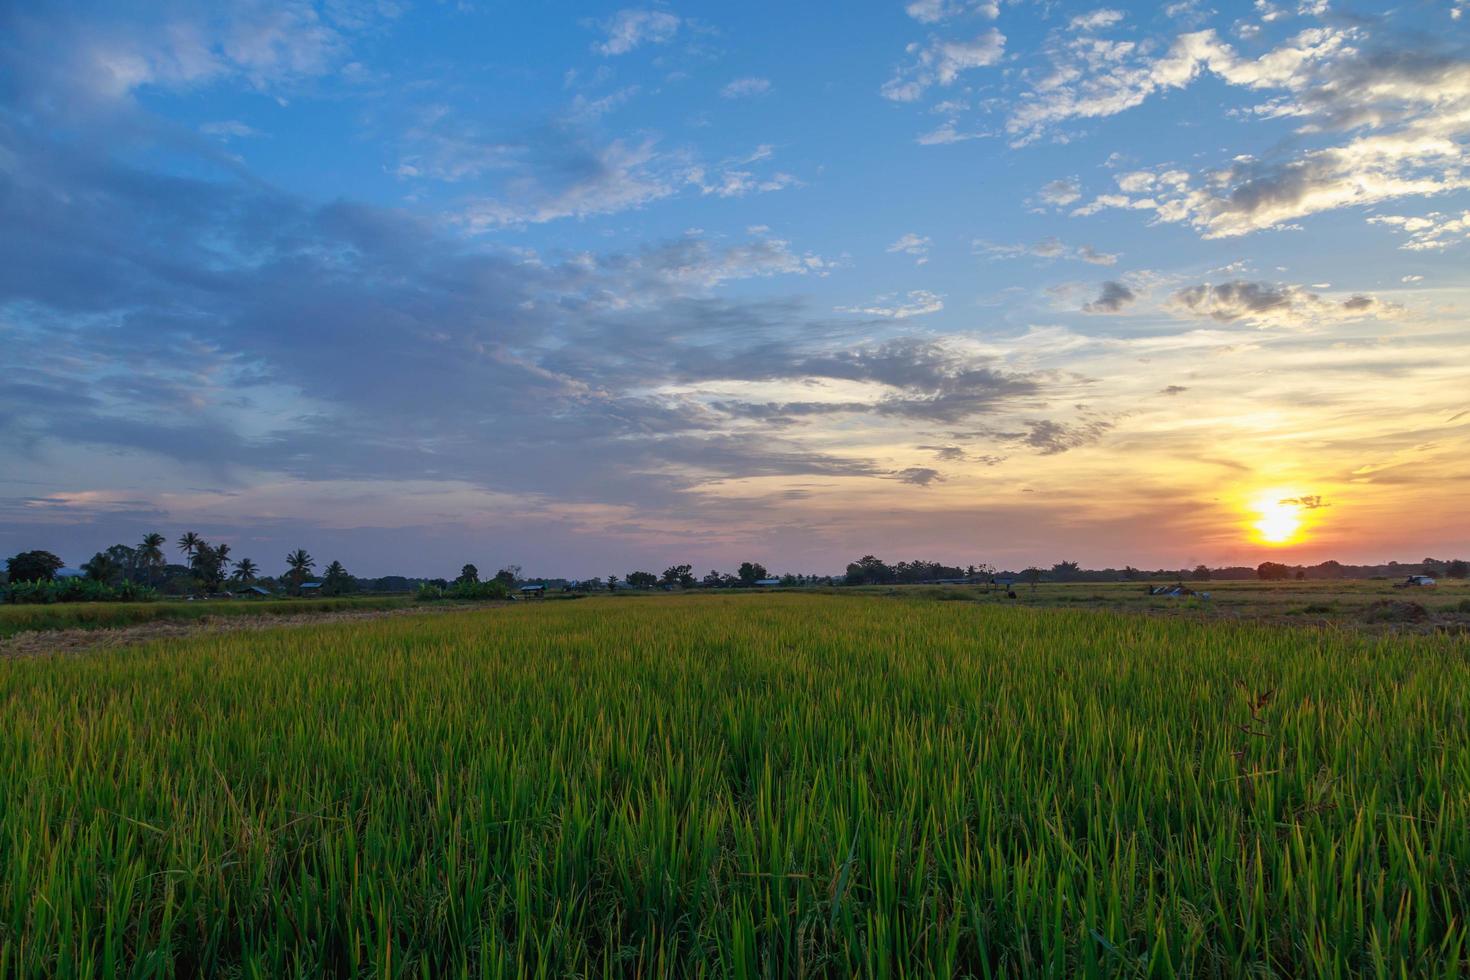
(150, 553)
(223, 553)
(335, 579)
(301, 565)
(246, 570)
(189, 542)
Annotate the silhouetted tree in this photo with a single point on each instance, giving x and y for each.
(246, 570)
(751, 572)
(188, 542)
(300, 565)
(1201, 573)
(1272, 571)
(681, 575)
(150, 555)
(1457, 568)
(102, 568)
(336, 581)
(469, 575)
(33, 566)
(1032, 576)
(1065, 571)
(641, 580)
(208, 565)
(868, 570)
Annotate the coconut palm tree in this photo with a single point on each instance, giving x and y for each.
(335, 580)
(189, 542)
(301, 565)
(222, 552)
(246, 570)
(150, 554)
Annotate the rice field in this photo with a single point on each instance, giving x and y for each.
(114, 615)
(741, 785)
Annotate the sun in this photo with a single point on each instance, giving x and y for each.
(1280, 519)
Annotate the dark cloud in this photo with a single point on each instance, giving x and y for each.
(1269, 303)
(920, 476)
(1114, 298)
(1050, 437)
(1305, 503)
(1173, 390)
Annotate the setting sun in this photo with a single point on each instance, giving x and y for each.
(1280, 519)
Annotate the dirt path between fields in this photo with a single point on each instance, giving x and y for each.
(45, 642)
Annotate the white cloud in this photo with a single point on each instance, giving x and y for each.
(1060, 192)
(1096, 20)
(1046, 248)
(745, 87)
(916, 302)
(940, 62)
(230, 129)
(913, 244)
(1408, 110)
(934, 11)
(628, 29)
(1432, 232)
(738, 183)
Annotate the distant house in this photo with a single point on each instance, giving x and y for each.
(252, 591)
(311, 586)
(533, 591)
(767, 582)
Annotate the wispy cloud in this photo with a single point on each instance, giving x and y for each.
(916, 302)
(744, 88)
(629, 29)
(941, 62)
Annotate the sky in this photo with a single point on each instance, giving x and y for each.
(588, 288)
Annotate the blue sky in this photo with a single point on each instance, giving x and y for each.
(588, 287)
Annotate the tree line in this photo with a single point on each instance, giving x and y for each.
(143, 571)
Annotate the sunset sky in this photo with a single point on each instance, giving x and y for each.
(590, 288)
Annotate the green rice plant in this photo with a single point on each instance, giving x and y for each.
(740, 785)
(82, 615)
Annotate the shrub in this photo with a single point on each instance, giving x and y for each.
(41, 592)
(463, 590)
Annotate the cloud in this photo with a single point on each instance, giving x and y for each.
(1114, 298)
(919, 476)
(1051, 437)
(934, 11)
(1050, 247)
(629, 29)
(912, 244)
(1378, 118)
(1173, 390)
(1431, 232)
(1271, 304)
(558, 173)
(1313, 502)
(593, 180)
(957, 454)
(1096, 20)
(1060, 192)
(742, 88)
(230, 128)
(940, 62)
(917, 302)
(946, 133)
